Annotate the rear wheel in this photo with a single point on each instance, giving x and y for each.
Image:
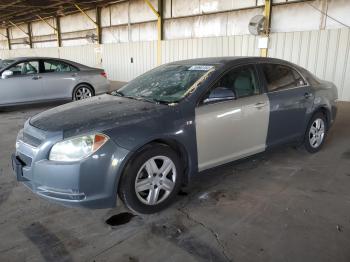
(82, 91)
(316, 133)
(152, 180)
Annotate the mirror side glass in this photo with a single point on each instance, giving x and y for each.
(6, 74)
(220, 94)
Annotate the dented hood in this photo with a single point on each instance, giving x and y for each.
(96, 114)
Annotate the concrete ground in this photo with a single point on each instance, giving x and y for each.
(284, 205)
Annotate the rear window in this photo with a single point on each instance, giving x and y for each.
(280, 77)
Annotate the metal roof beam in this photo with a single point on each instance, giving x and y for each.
(84, 13)
(19, 28)
(42, 19)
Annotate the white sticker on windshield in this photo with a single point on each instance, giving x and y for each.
(200, 67)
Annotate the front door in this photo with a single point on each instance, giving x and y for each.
(227, 130)
(25, 85)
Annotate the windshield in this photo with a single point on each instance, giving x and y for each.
(167, 84)
(4, 63)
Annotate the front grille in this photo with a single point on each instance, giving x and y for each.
(31, 140)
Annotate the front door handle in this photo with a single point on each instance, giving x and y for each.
(307, 95)
(260, 105)
(36, 77)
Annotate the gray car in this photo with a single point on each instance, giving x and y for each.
(38, 79)
(153, 135)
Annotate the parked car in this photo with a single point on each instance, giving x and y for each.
(38, 79)
(153, 135)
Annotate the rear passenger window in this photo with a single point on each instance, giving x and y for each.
(57, 66)
(299, 81)
(279, 77)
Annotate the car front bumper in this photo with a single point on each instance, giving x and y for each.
(91, 182)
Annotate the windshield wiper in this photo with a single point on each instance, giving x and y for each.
(117, 93)
(153, 100)
(140, 98)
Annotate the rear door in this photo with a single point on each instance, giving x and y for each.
(290, 97)
(232, 129)
(59, 79)
(25, 85)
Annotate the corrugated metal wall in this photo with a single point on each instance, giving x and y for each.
(125, 61)
(323, 52)
(49, 52)
(241, 45)
(87, 55)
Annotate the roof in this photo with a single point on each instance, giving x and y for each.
(228, 59)
(21, 11)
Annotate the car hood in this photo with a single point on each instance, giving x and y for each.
(96, 114)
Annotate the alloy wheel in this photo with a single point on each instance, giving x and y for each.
(317, 133)
(83, 93)
(155, 180)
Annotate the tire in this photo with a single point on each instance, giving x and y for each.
(82, 91)
(316, 133)
(144, 188)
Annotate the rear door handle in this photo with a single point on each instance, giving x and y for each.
(260, 105)
(307, 95)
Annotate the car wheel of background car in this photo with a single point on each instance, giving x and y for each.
(316, 133)
(82, 92)
(151, 180)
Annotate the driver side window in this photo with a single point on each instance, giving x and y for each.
(25, 68)
(236, 83)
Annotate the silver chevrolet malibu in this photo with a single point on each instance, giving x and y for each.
(37, 79)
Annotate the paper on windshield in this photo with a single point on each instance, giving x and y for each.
(200, 68)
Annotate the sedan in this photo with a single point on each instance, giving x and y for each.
(149, 138)
(39, 79)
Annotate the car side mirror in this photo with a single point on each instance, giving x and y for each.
(220, 94)
(6, 74)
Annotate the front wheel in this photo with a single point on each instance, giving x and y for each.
(316, 133)
(152, 179)
(82, 92)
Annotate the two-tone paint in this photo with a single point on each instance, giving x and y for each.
(204, 135)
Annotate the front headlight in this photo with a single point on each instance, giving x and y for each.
(77, 148)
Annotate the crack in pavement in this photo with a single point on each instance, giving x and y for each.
(210, 230)
(112, 246)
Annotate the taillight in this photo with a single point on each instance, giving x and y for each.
(104, 74)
